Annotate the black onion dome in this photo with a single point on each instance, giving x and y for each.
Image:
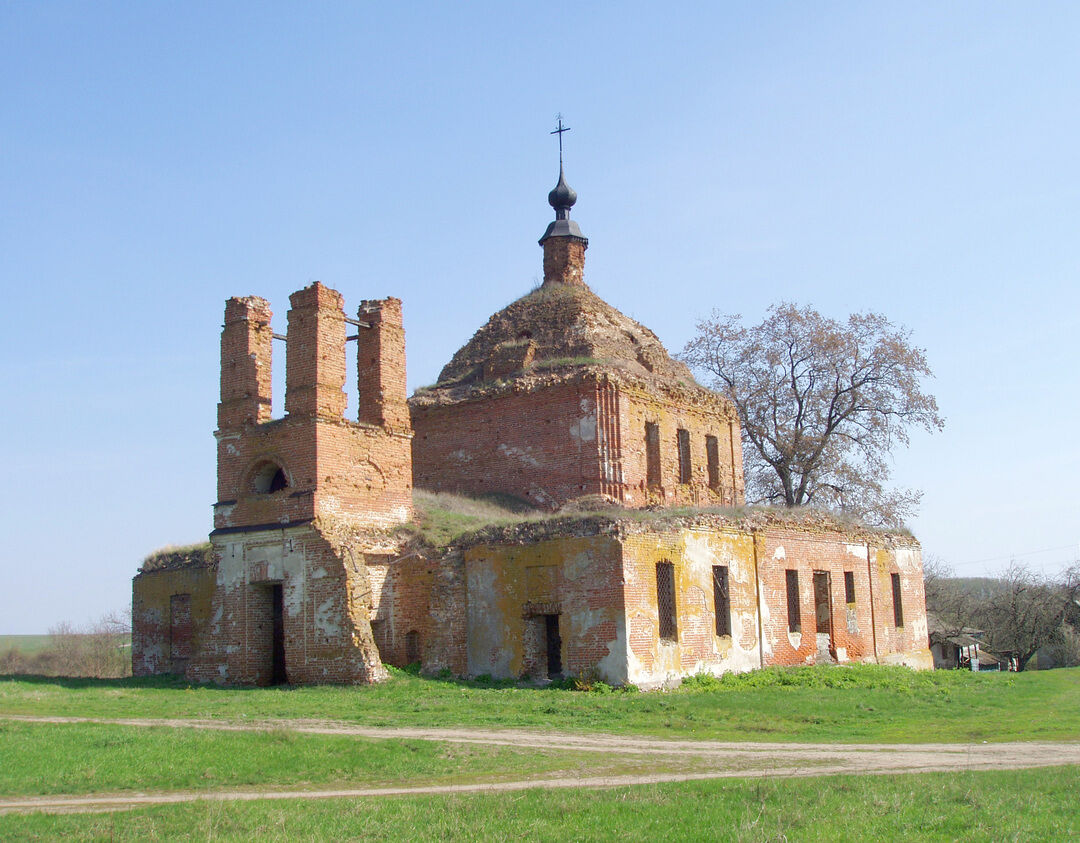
(562, 195)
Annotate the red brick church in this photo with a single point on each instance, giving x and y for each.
(648, 569)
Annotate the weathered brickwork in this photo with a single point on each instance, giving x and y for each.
(558, 397)
(325, 603)
(162, 642)
(512, 589)
(328, 465)
(830, 629)
(291, 600)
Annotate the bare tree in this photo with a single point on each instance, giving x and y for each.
(822, 404)
(101, 649)
(1028, 613)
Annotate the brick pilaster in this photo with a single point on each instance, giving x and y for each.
(380, 355)
(315, 353)
(245, 363)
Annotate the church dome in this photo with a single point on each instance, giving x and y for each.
(562, 196)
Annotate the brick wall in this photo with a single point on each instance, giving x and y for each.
(639, 407)
(582, 436)
(401, 603)
(359, 470)
(511, 589)
(757, 562)
(152, 626)
(539, 445)
(326, 602)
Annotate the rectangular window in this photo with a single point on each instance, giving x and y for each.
(721, 599)
(684, 455)
(712, 454)
(652, 455)
(849, 587)
(794, 619)
(897, 605)
(665, 601)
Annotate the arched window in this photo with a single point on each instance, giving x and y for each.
(269, 477)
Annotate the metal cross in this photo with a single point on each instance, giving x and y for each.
(559, 131)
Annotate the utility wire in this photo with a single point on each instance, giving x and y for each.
(1019, 555)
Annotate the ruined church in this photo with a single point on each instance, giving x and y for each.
(648, 568)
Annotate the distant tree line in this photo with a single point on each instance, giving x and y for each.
(1021, 613)
(101, 650)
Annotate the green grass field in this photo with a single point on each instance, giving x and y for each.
(825, 704)
(852, 704)
(26, 644)
(1023, 805)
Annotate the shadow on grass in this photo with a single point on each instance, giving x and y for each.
(174, 682)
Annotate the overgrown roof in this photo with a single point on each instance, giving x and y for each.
(554, 331)
(177, 557)
(444, 519)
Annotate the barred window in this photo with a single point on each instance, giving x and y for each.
(665, 601)
(794, 619)
(652, 455)
(712, 454)
(897, 605)
(684, 455)
(721, 599)
(849, 587)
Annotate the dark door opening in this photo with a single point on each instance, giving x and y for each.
(823, 612)
(277, 646)
(554, 646)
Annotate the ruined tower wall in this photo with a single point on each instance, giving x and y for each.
(290, 601)
(325, 602)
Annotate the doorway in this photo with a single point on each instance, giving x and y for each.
(554, 646)
(823, 613)
(277, 635)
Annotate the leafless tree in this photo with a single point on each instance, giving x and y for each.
(99, 649)
(1029, 613)
(822, 404)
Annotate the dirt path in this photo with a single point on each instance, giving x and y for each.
(725, 759)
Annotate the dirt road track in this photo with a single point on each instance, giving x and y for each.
(725, 760)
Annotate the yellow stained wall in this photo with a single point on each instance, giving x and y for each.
(510, 588)
(151, 651)
(693, 553)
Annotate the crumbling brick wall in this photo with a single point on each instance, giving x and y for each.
(762, 633)
(170, 607)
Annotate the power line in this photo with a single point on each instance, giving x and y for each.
(1019, 555)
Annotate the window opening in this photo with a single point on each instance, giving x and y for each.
(652, 455)
(721, 599)
(849, 587)
(712, 455)
(897, 605)
(794, 620)
(554, 646)
(270, 478)
(823, 602)
(684, 455)
(665, 601)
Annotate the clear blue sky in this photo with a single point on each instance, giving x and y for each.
(919, 159)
